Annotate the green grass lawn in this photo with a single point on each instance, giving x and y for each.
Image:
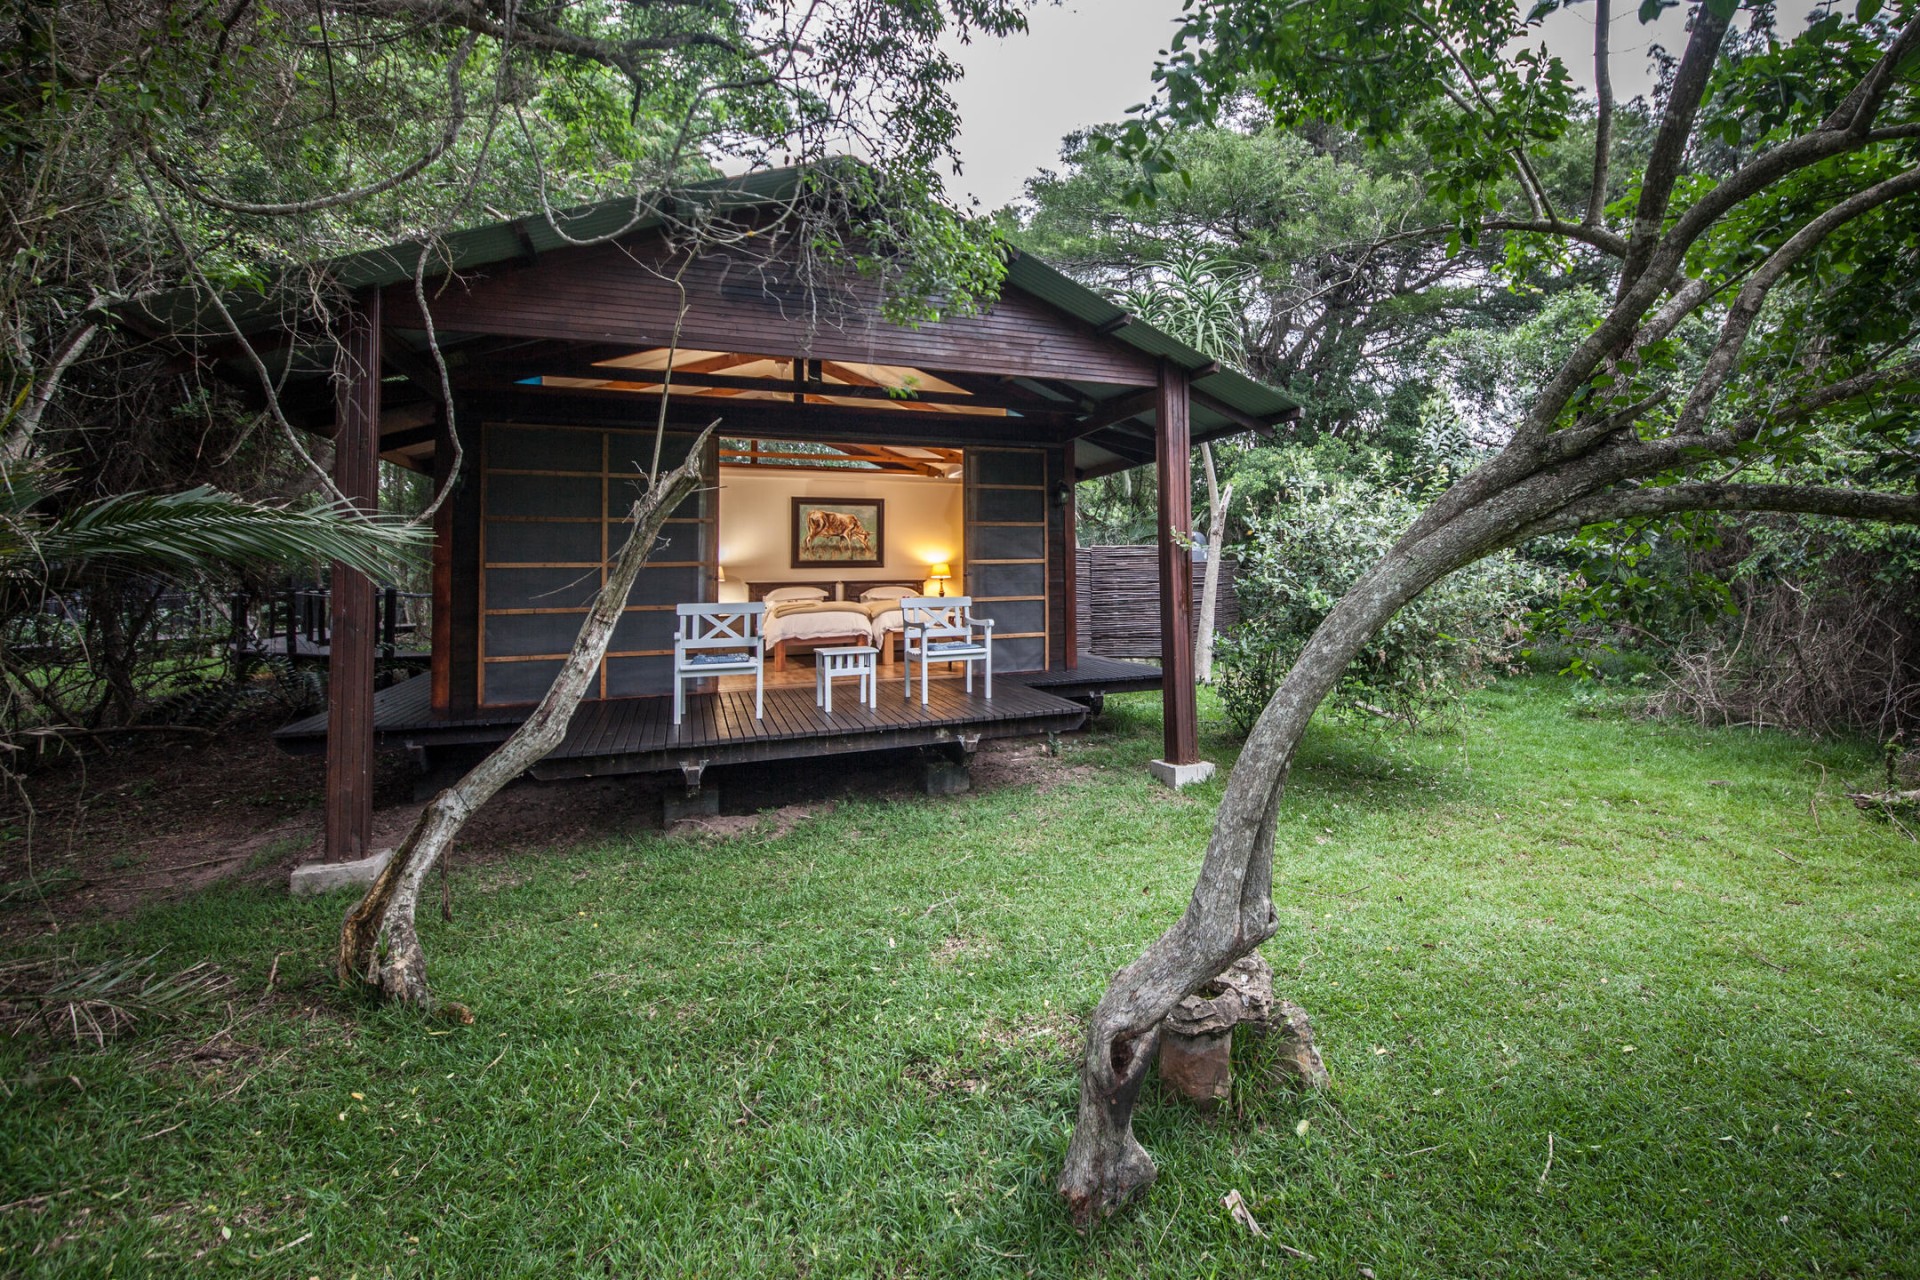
(1677, 958)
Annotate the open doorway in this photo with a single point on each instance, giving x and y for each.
(831, 535)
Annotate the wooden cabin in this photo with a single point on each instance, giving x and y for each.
(955, 445)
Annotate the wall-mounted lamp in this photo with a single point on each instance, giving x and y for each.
(940, 573)
(1062, 494)
(720, 573)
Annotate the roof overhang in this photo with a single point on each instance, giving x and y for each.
(281, 322)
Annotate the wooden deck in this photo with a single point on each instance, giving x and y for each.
(305, 649)
(1095, 676)
(637, 735)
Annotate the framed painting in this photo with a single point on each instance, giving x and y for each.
(849, 532)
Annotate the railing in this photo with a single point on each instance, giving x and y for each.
(297, 621)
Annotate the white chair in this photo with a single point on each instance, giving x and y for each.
(943, 629)
(719, 640)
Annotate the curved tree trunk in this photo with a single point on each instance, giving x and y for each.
(1231, 911)
(379, 944)
(1218, 500)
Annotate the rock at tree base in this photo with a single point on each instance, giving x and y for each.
(1297, 1057)
(1198, 1068)
(1196, 1040)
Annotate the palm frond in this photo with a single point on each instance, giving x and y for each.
(198, 532)
(102, 999)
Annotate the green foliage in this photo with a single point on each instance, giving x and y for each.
(1485, 377)
(1307, 229)
(1199, 298)
(1300, 558)
(1389, 71)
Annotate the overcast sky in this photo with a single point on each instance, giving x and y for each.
(1084, 62)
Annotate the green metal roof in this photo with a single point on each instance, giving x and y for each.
(183, 313)
(1256, 399)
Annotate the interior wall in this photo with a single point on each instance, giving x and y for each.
(923, 526)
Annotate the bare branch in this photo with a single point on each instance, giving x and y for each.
(1669, 149)
(1685, 300)
(71, 348)
(259, 366)
(1813, 500)
(1603, 123)
(1599, 238)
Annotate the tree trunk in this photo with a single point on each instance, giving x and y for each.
(1231, 910)
(379, 944)
(1218, 500)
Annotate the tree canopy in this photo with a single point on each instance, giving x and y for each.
(1755, 348)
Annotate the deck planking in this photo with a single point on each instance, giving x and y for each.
(637, 735)
(1096, 674)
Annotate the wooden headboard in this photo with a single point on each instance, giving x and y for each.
(849, 589)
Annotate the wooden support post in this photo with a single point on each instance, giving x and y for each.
(356, 471)
(1070, 563)
(1173, 457)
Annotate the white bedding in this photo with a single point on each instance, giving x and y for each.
(890, 620)
(817, 626)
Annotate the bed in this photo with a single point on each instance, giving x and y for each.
(795, 625)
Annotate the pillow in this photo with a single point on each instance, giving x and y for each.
(794, 593)
(889, 593)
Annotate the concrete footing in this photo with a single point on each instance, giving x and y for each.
(945, 778)
(1180, 775)
(704, 803)
(324, 877)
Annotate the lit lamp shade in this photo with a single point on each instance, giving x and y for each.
(940, 573)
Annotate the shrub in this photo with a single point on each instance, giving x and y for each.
(1299, 559)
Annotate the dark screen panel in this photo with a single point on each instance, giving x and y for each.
(1013, 615)
(517, 542)
(1007, 580)
(630, 453)
(1000, 542)
(542, 449)
(523, 634)
(666, 586)
(1007, 466)
(635, 677)
(644, 629)
(555, 497)
(1025, 506)
(541, 588)
(518, 681)
(1027, 654)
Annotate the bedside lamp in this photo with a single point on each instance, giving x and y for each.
(940, 573)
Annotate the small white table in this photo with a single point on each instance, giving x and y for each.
(844, 660)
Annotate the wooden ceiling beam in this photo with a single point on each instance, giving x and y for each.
(1239, 417)
(776, 419)
(882, 453)
(1117, 410)
(779, 386)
